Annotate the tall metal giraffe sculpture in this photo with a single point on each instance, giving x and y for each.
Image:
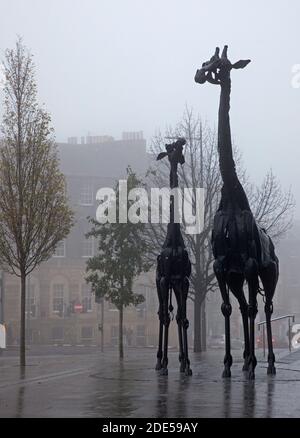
(242, 249)
(172, 274)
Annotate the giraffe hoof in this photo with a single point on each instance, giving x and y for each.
(226, 373)
(188, 372)
(271, 370)
(164, 371)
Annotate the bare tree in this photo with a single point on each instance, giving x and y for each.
(34, 212)
(272, 206)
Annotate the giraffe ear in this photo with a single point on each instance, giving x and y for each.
(161, 155)
(241, 64)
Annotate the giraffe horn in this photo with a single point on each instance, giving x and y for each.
(224, 53)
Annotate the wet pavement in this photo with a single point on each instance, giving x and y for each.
(88, 383)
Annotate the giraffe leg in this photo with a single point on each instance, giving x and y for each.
(244, 312)
(269, 276)
(180, 340)
(271, 356)
(226, 310)
(252, 310)
(161, 326)
(252, 280)
(160, 339)
(185, 326)
(164, 287)
(165, 360)
(178, 296)
(181, 293)
(235, 283)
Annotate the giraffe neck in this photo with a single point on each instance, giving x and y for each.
(173, 185)
(226, 162)
(233, 194)
(174, 236)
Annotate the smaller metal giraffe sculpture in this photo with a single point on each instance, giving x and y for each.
(243, 251)
(172, 274)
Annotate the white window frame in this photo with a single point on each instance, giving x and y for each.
(89, 296)
(90, 241)
(56, 298)
(86, 195)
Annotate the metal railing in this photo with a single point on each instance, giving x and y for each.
(263, 323)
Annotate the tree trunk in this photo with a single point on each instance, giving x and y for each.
(121, 349)
(203, 325)
(198, 291)
(22, 325)
(102, 325)
(197, 322)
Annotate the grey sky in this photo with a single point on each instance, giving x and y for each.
(107, 66)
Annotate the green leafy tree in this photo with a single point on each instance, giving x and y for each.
(120, 259)
(34, 211)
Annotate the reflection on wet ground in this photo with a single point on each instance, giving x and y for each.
(97, 385)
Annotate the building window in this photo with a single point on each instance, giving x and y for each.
(87, 302)
(57, 333)
(86, 194)
(88, 247)
(87, 332)
(60, 250)
(58, 298)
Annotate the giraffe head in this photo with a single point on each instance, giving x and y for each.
(217, 69)
(174, 151)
